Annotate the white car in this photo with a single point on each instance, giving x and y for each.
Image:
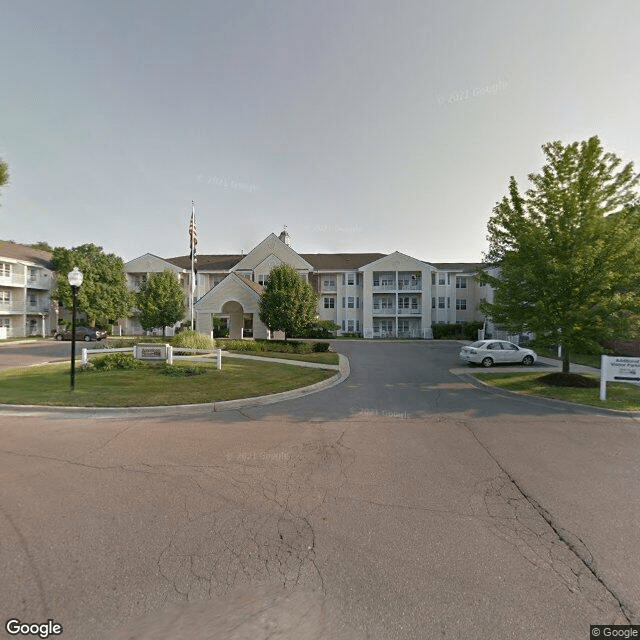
(490, 352)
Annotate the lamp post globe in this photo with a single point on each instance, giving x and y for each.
(75, 280)
(75, 277)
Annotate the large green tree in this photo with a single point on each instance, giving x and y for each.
(160, 301)
(104, 296)
(568, 250)
(4, 173)
(288, 303)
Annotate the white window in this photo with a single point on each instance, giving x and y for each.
(403, 326)
(461, 304)
(461, 282)
(5, 269)
(387, 280)
(482, 284)
(414, 303)
(329, 283)
(329, 303)
(441, 302)
(351, 278)
(350, 302)
(441, 278)
(33, 274)
(5, 322)
(262, 279)
(350, 326)
(33, 300)
(5, 297)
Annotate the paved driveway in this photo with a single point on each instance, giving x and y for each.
(405, 503)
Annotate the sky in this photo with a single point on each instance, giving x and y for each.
(362, 126)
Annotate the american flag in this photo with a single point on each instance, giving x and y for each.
(193, 236)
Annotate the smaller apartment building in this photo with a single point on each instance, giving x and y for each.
(374, 295)
(26, 281)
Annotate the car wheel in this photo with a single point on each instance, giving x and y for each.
(527, 361)
(58, 337)
(487, 362)
(87, 338)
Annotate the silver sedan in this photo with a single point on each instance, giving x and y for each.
(490, 352)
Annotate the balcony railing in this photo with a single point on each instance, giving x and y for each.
(409, 312)
(19, 307)
(414, 333)
(389, 311)
(410, 286)
(389, 286)
(14, 280)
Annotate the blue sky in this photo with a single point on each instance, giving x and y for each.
(362, 126)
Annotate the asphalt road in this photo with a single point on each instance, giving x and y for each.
(404, 503)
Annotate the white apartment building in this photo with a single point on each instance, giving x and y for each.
(26, 280)
(370, 294)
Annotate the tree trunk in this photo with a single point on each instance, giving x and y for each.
(565, 360)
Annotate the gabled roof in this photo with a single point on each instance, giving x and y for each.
(256, 286)
(459, 266)
(24, 253)
(208, 262)
(340, 261)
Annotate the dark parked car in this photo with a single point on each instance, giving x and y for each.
(82, 333)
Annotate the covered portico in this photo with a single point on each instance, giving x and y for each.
(237, 299)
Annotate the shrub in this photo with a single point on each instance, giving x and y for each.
(113, 361)
(220, 330)
(181, 370)
(193, 340)
(320, 347)
(319, 329)
(461, 331)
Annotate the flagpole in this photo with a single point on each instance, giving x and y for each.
(192, 235)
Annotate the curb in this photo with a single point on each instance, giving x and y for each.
(499, 391)
(344, 370)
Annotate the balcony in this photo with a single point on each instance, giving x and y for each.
(410, 312)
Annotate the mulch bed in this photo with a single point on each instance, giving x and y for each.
(560, 379)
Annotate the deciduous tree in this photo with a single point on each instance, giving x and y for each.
(568, 250)
(104, 296)
(288, 303)
(161, 301)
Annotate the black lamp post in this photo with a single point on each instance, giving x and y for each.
(75, 280)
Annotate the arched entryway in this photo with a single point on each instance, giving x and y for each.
(240, 323)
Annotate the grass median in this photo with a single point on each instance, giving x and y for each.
(150, 386)
(620, 395)
(322, 358)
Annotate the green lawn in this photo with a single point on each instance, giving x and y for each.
(49, 384)
(620, 395)
(323, 358)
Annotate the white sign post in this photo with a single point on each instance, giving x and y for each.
(618, 369)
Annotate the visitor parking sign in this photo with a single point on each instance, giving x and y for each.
(618, 369)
